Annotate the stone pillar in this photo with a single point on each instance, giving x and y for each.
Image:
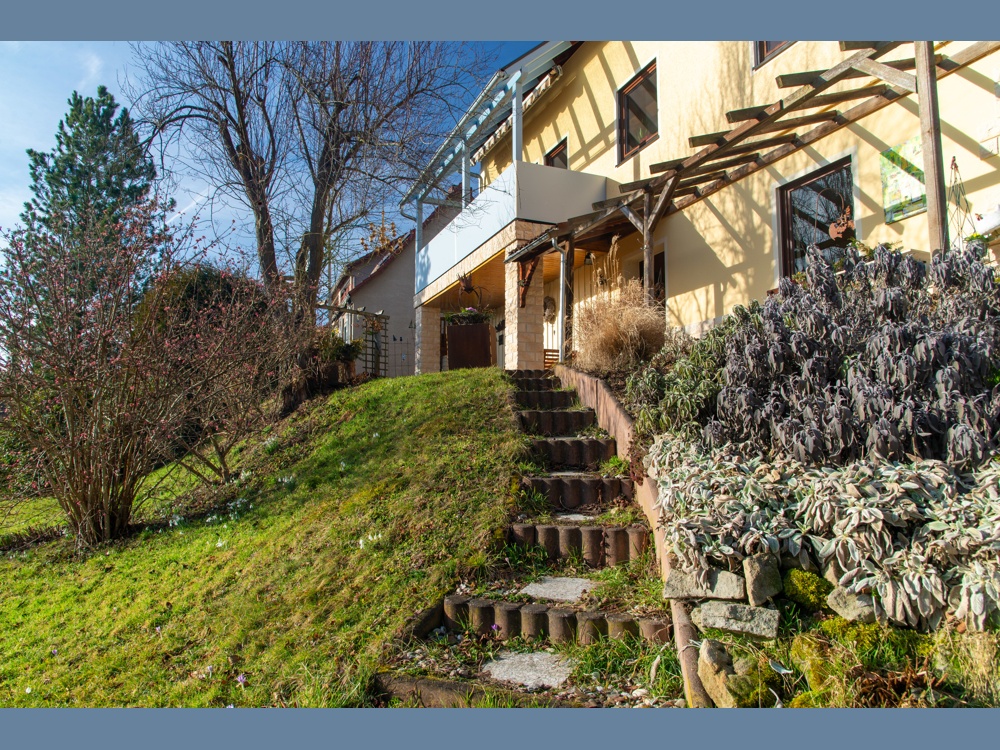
(523, 343)
(428, 339)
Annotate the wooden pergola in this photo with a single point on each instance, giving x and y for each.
(730, 155)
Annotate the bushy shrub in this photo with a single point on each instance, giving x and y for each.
(885, 358)
(921, 537)
(618, 330)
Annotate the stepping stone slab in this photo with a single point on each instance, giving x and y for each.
(739, 618)
(559, 589)
(534, 670)
(721, 585)
(572, 517)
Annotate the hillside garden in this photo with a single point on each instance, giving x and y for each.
(846, 428)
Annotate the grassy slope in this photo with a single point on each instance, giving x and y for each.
(281, 590)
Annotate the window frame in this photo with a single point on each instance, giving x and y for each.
(786, 250)
(761, 59)
(622, 93)
(561, 148)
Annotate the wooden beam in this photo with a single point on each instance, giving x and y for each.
(788, 80)
(525, 270)
(790, 122)
(631, 215)
(567, 298)
(822, 100)
(887, 74)
(967, 56)
(663, 166)
(667, 165)
(930, 138)
(647, 248)
(706, 177)
(662, 202)
(848, 46)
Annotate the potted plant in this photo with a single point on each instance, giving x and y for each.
(470, 338)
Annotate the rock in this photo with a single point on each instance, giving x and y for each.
(745, 684)
(532, 670)
(559, 589)
(763, 577)
(832, 571)
(714, 668)
(721, 585)
(739, 618)
(853, 607)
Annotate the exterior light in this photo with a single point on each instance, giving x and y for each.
(588, 259)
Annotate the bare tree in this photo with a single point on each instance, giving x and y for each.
(227, 99)
(317, 135)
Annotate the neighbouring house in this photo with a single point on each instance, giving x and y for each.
(381, 282)
(702, 168)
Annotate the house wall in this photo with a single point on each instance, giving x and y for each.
(392, 291)
(722, 251)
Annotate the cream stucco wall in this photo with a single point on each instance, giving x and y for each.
(722, 250)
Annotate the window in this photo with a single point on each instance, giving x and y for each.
(817, 209)
(637, 113)
(558, 157)
(764, 51)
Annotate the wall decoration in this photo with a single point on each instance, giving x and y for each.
(903, 191)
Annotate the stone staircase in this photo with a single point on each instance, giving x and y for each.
(569, 493)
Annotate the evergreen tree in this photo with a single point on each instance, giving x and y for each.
(97, 170)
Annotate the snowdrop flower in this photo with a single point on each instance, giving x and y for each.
(27, 690)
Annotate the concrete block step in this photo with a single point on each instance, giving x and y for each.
(555, 423)
(560, 624)
(521, 374)
(545, 399)
(599, 546)
(574, 452)
(537, 384)
(570, 491)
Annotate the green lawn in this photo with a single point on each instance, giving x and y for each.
(358, 513)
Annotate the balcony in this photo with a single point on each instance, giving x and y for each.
(524, 191)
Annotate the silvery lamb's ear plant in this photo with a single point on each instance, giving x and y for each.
(920, 537)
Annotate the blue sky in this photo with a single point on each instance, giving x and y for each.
(37, 80)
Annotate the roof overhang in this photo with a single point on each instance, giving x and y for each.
(488, 111)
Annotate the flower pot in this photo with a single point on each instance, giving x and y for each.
(471, 345)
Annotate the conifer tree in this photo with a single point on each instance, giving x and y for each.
(97, 170)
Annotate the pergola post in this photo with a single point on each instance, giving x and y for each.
(561, 318)
(930, 136)
(647, 246)
(566, 300)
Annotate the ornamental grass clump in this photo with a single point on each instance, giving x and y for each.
(618, 330)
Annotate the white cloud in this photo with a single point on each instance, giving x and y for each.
(92, 65)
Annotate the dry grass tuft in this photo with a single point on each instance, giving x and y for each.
(617, 331)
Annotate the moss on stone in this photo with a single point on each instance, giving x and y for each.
(811, 655)
(752, 684)
(807, 589)
(876, 645)
(808, 699)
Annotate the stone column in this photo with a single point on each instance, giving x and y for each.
(523, 343)
(428, 339)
